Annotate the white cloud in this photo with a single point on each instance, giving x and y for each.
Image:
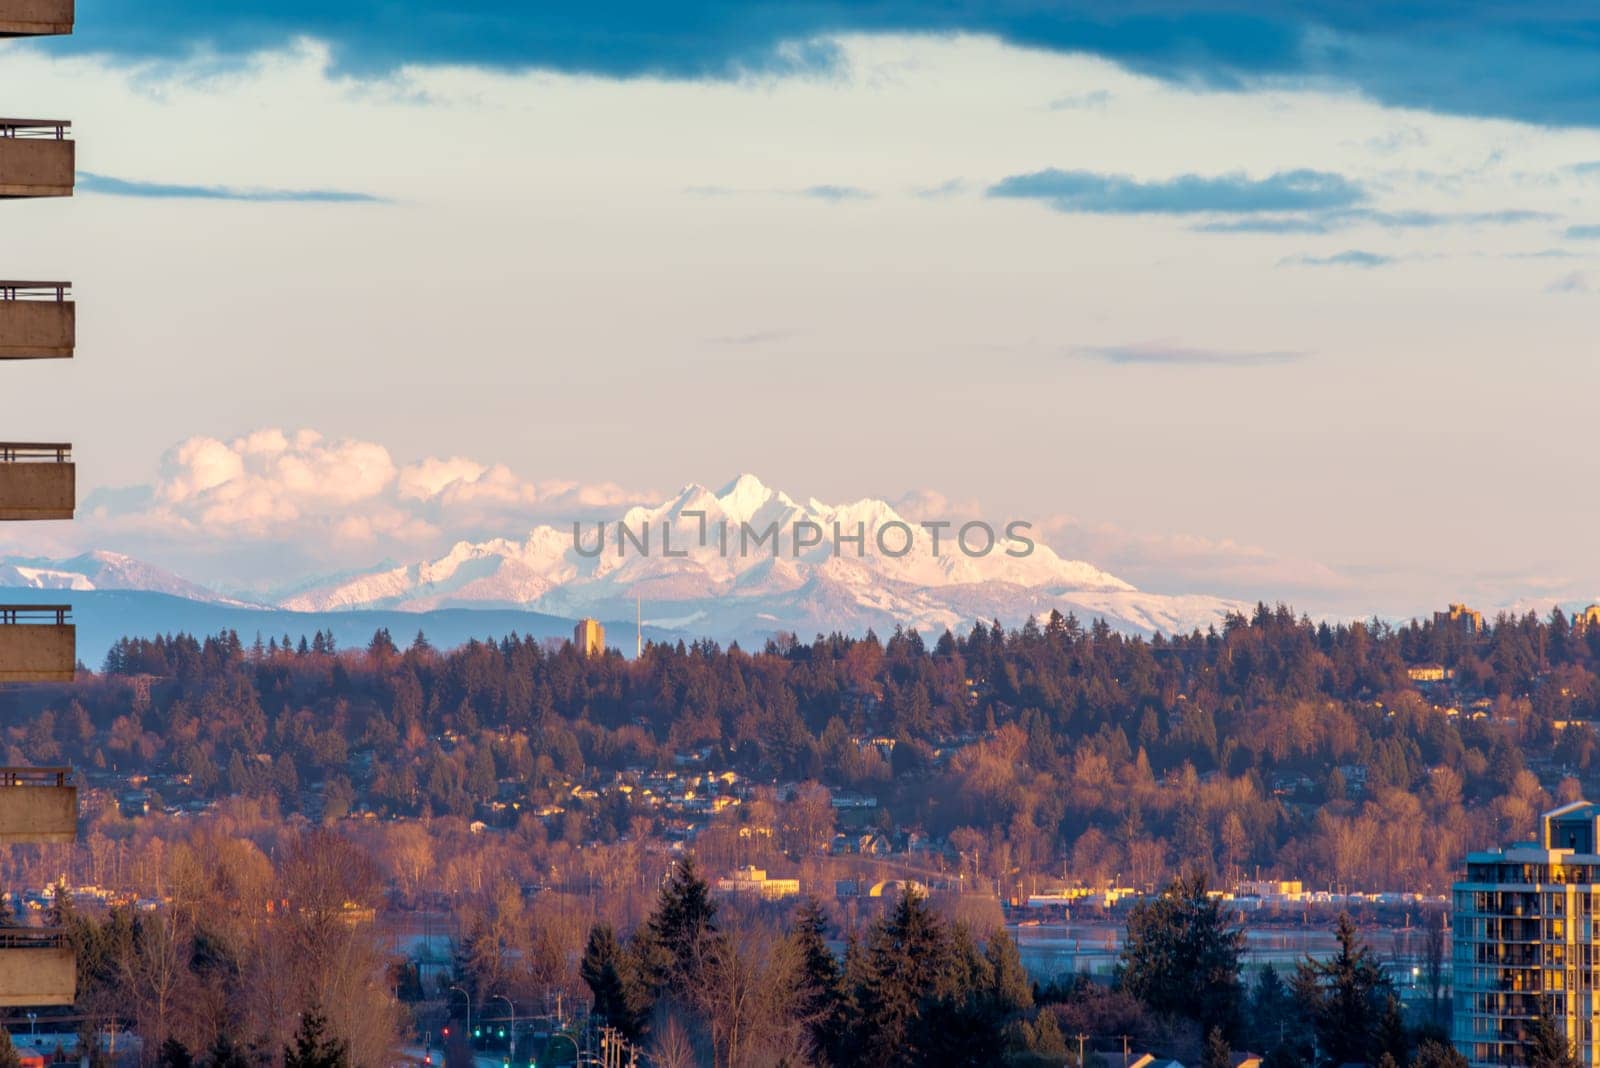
(271, 504)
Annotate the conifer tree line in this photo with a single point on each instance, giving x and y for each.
(694, 985)
(1270, 744)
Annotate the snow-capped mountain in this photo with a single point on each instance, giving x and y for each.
(703, 562)
(101, 570)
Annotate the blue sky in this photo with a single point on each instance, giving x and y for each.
(1258, 300)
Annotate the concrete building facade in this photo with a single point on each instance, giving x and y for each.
(1525, 941)
(38, 643)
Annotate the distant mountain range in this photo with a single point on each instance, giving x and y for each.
(720, 580)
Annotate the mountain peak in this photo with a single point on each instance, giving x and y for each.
(746, 495)
(744, 485)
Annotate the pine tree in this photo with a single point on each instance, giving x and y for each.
(1345, 997)
(1010, 990)
(1047, 1039)
(313, 1046)
(1271, 1010)
(1218, 1054)
(821, 1003)
(608, 973)
(225, 1054)
(673, 939)
(1432, 1053)
(1547, 1045)
(174, 1054)
(8, 1052)
(1182, 956)
(908, 958)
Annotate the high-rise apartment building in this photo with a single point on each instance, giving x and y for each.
(1525, 941)
(589, 637)
(38, 320)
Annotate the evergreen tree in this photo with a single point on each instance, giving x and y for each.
(821, 1003)
(1218, 1053)
(908, 959)
(1271, 1010)
(1046, 1038)
(1433, 1053)
(174, 1054)
(1182, 956)
(607, 971)
(225, 1054)
(1546, 1042)
(1345, 998)
(8, 1052)
(313, 1046)
(673, 939)
(1010, 990)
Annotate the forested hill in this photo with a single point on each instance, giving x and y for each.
(1274, 743)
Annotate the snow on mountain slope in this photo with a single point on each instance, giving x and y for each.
(705, 559)
(100, 570)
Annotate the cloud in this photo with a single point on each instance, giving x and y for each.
(835, 193)
(1348, 258)
(1585, 232)
(89, 182)
(1165, 355)
(1268, 224)
(1095, 100)
(1427, 56)
(1574, 282)
(1325, 222)
(252, 504)
(1187, 194)
(1177, 562)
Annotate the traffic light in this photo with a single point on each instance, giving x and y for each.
(477, 1032)
(447, 1032)
(502, 1032)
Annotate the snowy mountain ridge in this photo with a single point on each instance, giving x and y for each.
(742, 562)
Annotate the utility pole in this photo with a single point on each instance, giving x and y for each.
(1081, 1037)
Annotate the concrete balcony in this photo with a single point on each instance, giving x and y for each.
(36, 968)
(38, 321)
(37, 644)
(38, 480)
(36, 158)
(35, 18)
(38, 805)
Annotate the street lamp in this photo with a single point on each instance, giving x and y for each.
(513, 1008)
(33, 1023)
(469, 1013)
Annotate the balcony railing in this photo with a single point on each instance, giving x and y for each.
(38, 320)
(39, 129)
(38, 805)
(37, 968)
(56, 291)
(38, 480)
(37, 158)
(35, 18)
(38, 643)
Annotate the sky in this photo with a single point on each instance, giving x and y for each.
(1286, 301)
